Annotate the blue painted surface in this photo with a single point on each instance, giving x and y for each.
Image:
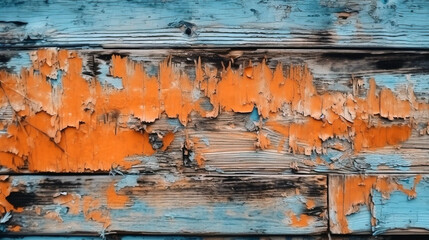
(398, 211)
(225, 217)
(105, 77)
(360, 221)
(51, 238)
(127, 181)
(17, 62)
(374, 161)
(418, 82)
(254, 115)
(228, 22)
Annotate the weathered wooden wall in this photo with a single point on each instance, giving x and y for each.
(214, 118)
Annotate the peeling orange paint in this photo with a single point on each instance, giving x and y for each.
(15, 228)
(167, 140)
(82, 125)
(310, 204)
(302, 221)
(355, 191)
(262, 141)
(114, 200)
(5, 190)
(53, 216)
(92, 212)
(71, 200)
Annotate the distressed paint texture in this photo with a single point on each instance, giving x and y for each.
(82, 125)
(155, 204)
(378, 203)
(232, 23)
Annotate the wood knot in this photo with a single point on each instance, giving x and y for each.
(187, 28)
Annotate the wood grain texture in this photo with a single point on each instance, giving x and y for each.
(379, 204)
(231, 23)
(207, 136)
(154, 237)
(165, 204)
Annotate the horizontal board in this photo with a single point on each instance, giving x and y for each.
(164, 204)
(290, 237)
(180, 111)
(380, 204)
(233, 23)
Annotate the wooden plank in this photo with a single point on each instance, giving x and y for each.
(165, 204)
(232, 23)
(380, 204)
(145, 237)
(124, 111)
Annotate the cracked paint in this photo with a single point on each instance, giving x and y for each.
(80, 125)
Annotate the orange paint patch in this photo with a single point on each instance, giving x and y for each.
(167, 140)
(310, 204)
(114, 200)
(70, 200)
(53, 216)
(15, 228)
(262, 141)
(91, 211)
(302, 221)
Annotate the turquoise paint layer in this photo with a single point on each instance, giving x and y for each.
(398, 211)
(17, 62)
(127, 181)
(373, 161)
(360, 221)
(230, 22)
(227, 217)
(107, 79)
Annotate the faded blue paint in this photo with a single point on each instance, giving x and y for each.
(58, 82)
(205, 141)
(373, 160)
(360, 221)
(127, 181)
(399, 211)
(17, 62)
(160, 238)
(174, 122)
(50, 238)
(149, 162)
(213, 169)
(227, 217)
(418, 82)
(329, 158)
(229, 23)
(105, 77)
(169, 177)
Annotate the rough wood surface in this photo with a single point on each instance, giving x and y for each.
(154, 237)
(180, 111)
(379, 204)
(155, 24)
(165, 204)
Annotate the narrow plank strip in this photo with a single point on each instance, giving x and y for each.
(233, 23)
(164, 204)
(380, 204)
(262, 111)
(144, 237)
